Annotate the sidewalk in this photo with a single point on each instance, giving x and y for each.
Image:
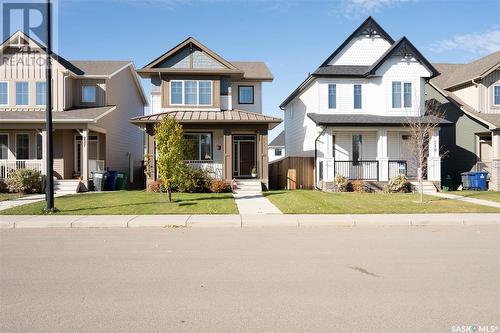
(254, 203)
(466, 199)
(244, 221)
(24, 200)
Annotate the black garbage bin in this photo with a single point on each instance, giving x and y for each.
(99, 179)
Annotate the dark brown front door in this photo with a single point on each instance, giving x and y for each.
(244, 155)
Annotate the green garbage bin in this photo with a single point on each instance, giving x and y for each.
(121, 177)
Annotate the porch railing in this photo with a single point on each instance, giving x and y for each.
(397, 168)
(362, 170)
(7, 166)
(214, 168)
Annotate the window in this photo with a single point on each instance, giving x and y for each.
(496, 95)
(22, 93)
(396, 95)
(278, 152)
(22, 146)
(245, 95)
(41, 91)
(198, 146)
(89, 94)
(38, 146)
(191, 92)
(332, 96)
(357, 96)
(4, 93)
(357, 142)
(4, 146)
(205, 93)
(407, 95)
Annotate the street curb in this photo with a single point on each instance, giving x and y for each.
(244, 221)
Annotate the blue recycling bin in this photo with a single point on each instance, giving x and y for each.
(111, 180)
(478, 180)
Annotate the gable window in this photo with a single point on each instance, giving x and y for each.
(190, 92)
(22, 146)
(89, 94)
(332, 96)
(357, 96)
(4, 146)
(41, 91)
(407, 95)
(198, 146)
(22, 93)
(245, 95)
(4, 93)
(278, 152)
(396, 95)
(496, 95)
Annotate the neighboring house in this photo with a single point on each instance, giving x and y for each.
(350, 114)
(474, 92)
(92, 104)
(219, 105)
(277, 147)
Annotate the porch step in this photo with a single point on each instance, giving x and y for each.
(248, 187)
(69, 186)
(428, 186)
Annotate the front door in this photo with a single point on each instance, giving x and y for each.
(406, 154)
(244, 155)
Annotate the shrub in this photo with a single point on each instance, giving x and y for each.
(25, 181)
(361, 187)
(398, 184)
(219, 186)
(154, 186)
(342, 184)
(194, 181)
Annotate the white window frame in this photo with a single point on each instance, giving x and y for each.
(89, 86)
(183, 88)
(36, 92)
(493, 94)
(328, 95)
(29, 145)
(402, 95)
(8, 91)
(8, 145)
(28, 93)
(354, 96)
(280, 150)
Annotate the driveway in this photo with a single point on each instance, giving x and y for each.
(329, 279)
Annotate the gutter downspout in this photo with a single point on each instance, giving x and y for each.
(316, 157)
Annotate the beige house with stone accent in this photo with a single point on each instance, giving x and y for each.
(219, 105)
(92, 104)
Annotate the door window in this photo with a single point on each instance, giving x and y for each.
(357, 142)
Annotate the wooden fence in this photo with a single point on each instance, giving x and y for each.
(292, 173)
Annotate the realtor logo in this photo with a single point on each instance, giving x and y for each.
(30, 18)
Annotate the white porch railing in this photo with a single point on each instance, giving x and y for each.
(214, 168)
(96, 165)
(6, 166)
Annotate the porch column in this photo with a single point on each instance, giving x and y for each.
(85, 155)
(434, 160)
(43, 133)
(495, 161)
(262, 152)
(328, 156)
(382, 156)
(228, 155)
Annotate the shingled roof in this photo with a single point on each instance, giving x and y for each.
(210, 117)
(368, 120)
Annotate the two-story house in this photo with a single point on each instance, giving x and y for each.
(92, 104)
(474, 141)
(219, 105)
(350, 114)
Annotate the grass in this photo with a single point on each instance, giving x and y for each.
(316, 202)
(485, 195)
(9, 196)
(134, 203)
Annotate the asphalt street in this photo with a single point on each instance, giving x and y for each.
(318, 279)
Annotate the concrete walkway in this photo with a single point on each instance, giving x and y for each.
(244, 221)
(466, 199)
(24, 200)
(254, 203)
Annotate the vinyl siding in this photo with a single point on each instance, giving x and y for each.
(489, 82)
(257, 105)
(362, 51)
(469, 95)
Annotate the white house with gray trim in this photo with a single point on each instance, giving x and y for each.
(277, 147)
(92, 104)
(350, 113)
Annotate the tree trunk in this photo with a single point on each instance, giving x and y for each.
(169, 191)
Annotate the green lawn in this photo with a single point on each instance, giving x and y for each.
(9, 196)
(316, 202)
(486, 195)
(134, 203)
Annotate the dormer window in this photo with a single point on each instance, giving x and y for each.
(89, 94)
(191, 92)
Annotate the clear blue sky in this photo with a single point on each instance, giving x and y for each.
(292, 37)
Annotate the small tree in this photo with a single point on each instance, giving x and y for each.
(170, 144)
